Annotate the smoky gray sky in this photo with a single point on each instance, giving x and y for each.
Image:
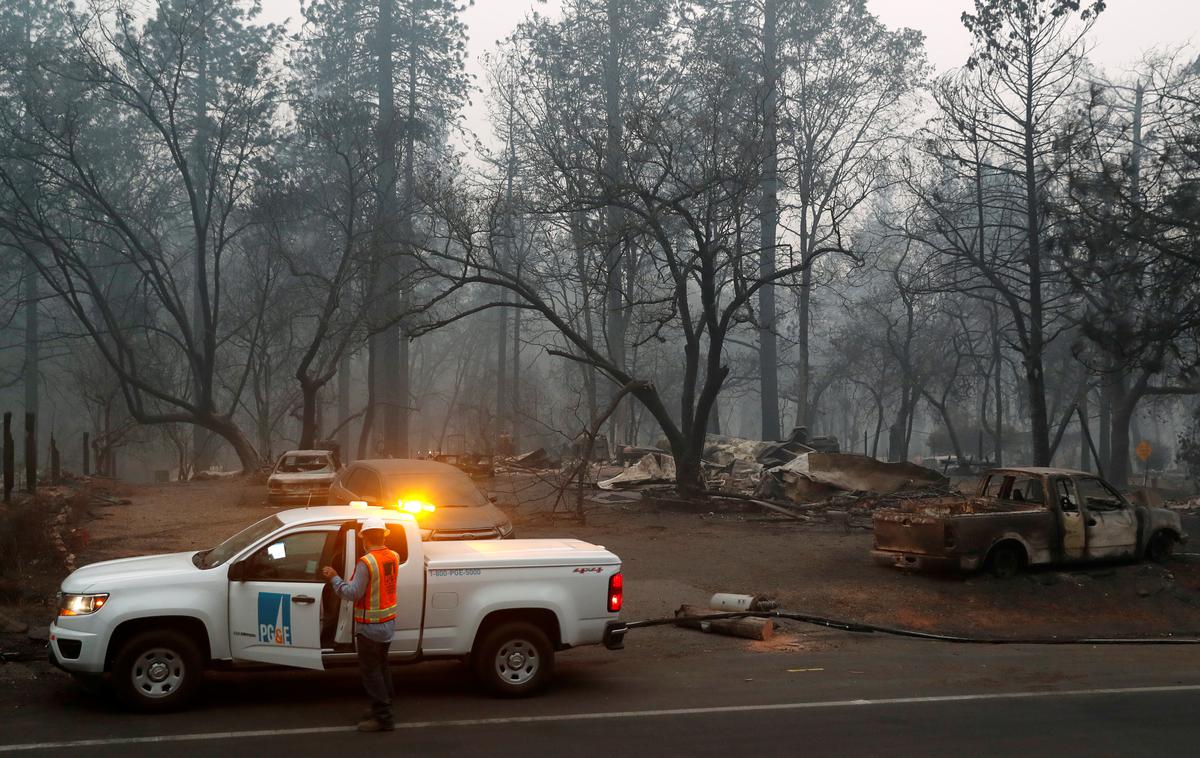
(1125, 31)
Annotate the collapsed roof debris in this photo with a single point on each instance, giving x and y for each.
(814, 476)
(651, 468)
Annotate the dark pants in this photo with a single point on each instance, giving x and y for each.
(376, 676)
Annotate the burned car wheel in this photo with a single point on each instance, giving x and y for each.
(1006, 560)
(1161, 546)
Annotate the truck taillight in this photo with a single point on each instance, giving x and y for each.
(616, 592)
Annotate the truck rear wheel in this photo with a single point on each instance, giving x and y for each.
(1161, 546)
(514, 660)
(1006, 560)
(157, 671)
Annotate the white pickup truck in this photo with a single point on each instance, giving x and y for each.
(155, 623)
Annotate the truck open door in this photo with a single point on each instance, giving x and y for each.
(410, 586)
(1110, 521)
(275, 600)
(1074, 536)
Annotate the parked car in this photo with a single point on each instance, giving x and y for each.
(302, 477)
(156, 623)
(445, 501)
(1023, 517)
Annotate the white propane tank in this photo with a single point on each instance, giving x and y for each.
(727, 601)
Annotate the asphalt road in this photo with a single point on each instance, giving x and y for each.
(849, 696)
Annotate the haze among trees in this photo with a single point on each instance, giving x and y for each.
(222, 239)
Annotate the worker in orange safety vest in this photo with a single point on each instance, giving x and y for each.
(373, 590)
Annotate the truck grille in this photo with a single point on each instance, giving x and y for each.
(466, 534)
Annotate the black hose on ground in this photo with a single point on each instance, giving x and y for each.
(864, 628)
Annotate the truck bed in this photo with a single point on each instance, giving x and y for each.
(472, 554)
(959, 528)
(960, 506)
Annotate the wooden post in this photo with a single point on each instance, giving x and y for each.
(55, 462)
(87, 455)
(751, 628)
(30, 453)
(9, 458)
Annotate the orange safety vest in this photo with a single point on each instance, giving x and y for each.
(378, 603)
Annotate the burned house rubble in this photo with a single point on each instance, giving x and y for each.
(797, 471)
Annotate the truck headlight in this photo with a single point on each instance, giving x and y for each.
(81, 605)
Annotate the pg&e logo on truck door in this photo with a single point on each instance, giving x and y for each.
(274, 618)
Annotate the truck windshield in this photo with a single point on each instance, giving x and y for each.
(207, 559)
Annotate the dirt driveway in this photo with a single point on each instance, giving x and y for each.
(673, 558)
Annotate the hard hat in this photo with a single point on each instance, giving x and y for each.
(375, 524)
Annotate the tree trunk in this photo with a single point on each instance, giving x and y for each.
(1085, 461)
(689, 476)
(232, 433)
(768, 356)
(402, 396)
(364, 433)
(502, 399)
(264, 416)
(31, 465)
(200, 332)
(900, 431)
(1118, 463)
(587, 370)
(878, 426)
(943, 411)
(614, 218)
(516, 379)
(344, 378)
(997, 360)
(1105, 421)
(1125, 401)
(1034, 373)
(1038, 417)
(9, 459)
(308, 416)
(802, 352)
(32, 368)
(386, 344)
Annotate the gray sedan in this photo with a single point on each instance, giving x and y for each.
(445, 501)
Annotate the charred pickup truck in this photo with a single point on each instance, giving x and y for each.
(1024, 517)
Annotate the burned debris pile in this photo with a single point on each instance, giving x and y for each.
(812, 476)
(801, 478)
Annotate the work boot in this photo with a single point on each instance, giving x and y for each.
(374, 724)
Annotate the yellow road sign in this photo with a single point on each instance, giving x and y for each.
(1143, 450)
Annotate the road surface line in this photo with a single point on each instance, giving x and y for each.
(202, 736)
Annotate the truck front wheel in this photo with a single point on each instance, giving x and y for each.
(157, 671)
(514, 660)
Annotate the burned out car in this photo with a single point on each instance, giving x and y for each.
(302, 477)
(1023, 517)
